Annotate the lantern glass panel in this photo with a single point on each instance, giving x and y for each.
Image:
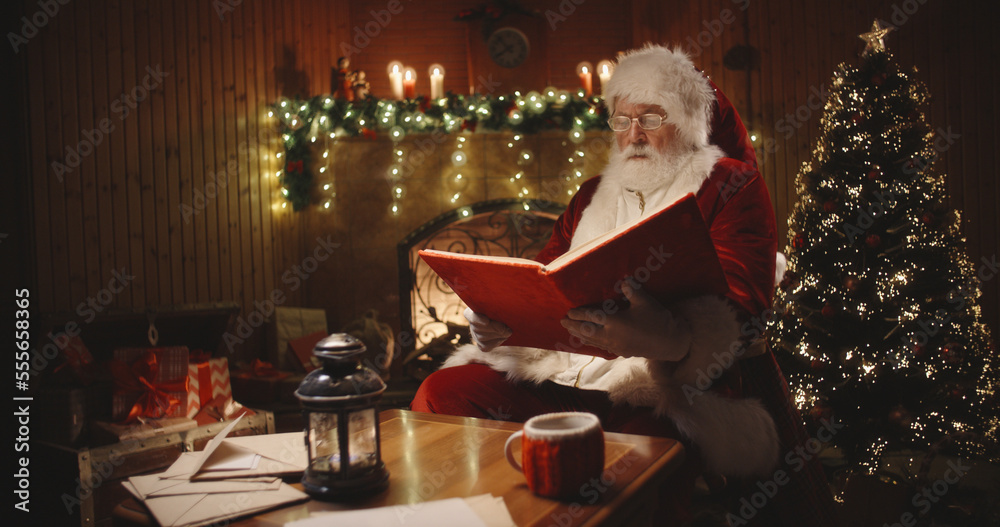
(324, 445)
(361, 431)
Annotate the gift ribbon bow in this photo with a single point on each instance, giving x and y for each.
(262, 368)
(154, 398)
(295, 166)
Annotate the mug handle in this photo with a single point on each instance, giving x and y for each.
(508, 451)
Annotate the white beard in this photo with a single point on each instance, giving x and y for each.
(656, 170)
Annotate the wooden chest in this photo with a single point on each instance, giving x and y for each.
(83, 486)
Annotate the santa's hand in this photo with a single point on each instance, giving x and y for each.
(644, 329)
(486, 332)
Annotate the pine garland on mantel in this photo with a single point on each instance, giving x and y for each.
(303, 121)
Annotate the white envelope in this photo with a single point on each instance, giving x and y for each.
(225, 480)
(153, 485)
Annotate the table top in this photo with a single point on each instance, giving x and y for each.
(432, 457)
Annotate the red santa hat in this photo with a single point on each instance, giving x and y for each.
(658, 75)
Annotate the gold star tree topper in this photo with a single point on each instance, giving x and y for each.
(873, 39)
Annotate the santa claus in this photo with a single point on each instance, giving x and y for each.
(694, 369)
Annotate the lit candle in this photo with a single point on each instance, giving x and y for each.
(409, 83)
(436, 72)
(604, 70)
(585, 71)
(396, 79)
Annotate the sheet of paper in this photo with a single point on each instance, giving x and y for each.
(452, 512)
(491, 509)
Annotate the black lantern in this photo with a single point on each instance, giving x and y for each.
(342, 435)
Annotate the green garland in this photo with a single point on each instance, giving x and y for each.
(302, 121)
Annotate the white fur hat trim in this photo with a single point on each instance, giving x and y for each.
(658, 75)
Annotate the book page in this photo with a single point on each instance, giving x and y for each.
(572, 254)
(483, 257)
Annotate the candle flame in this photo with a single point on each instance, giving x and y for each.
(395, 68)
(606, 69)
(408, 74)
(584, 70)
(437, 71)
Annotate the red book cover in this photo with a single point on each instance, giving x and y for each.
(669, 254)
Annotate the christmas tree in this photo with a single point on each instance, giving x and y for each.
(876, 320)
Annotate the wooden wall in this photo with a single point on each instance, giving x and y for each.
(121, 207)
(175, 188)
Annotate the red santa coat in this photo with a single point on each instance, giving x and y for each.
(736, 205)
(736, 435)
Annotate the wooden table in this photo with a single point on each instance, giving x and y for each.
(432, 457)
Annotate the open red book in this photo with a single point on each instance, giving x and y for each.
(668, 254)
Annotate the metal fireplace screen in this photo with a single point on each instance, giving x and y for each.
(430, 313)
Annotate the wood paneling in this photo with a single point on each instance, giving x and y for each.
(180, 192)
(200, 137)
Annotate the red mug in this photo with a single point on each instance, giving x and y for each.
(560, 452)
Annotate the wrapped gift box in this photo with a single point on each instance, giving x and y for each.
(149, 382)
(259, 384)
(207, 381)
(287, 324)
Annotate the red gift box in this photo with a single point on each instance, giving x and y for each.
(259, 383)
(208, 381)
(149, 382)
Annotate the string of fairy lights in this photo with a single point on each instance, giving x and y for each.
(305, 122)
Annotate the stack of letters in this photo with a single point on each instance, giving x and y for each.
(232, 477)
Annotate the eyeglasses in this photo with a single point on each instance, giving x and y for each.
(647, 121)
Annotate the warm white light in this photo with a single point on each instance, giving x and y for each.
(326, 187)
(326, 153)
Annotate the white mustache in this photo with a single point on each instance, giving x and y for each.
(637, 150)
